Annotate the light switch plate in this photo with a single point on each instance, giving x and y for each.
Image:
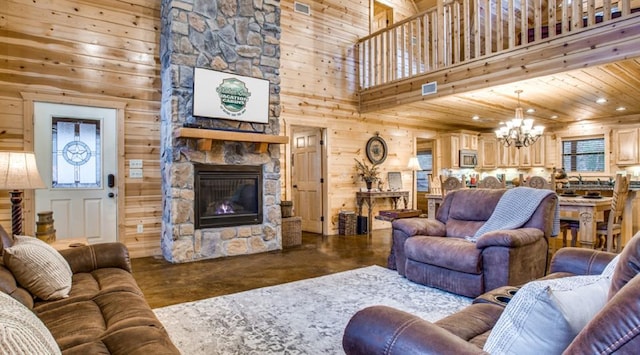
(135, 173)
(135, 163)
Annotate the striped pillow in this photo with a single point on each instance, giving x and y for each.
(21, 332)
(39, 268)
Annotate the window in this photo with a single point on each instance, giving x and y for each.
(426, 165)
(583, 154)
(76, 160)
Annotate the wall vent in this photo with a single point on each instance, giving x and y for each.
(429, 88)
(302, 8)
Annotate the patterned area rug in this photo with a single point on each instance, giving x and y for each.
(302, 317)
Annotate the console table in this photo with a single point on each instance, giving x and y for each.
(369, 198)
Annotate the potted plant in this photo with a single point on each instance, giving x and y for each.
(368, 173)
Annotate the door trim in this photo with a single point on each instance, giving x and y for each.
(323, 163)
(28, 108)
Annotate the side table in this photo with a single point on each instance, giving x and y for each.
(67, 243)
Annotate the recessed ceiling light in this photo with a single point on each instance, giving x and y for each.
(601, 100)
(530, 110)
(475, 117)
(621, 108)
(554, 117)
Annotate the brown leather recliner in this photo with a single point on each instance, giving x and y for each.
(434, 252)
(615, 329)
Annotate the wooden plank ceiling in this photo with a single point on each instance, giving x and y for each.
(558, 100)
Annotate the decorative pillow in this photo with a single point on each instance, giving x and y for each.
(39, 268)
(544, 316)
(21, 332)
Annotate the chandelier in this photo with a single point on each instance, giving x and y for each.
(519, 131)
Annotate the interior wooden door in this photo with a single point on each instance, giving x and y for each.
(306, 177)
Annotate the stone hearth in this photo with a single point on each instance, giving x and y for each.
(240, 37)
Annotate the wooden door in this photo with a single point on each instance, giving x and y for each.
(75, 148)
(382, 17)
(306, 168)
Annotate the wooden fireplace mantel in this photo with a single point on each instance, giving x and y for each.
(206, 136)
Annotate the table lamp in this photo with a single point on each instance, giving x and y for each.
(18, 171)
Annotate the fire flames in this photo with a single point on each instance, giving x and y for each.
(225, 208)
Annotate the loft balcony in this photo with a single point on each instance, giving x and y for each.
(465, 45)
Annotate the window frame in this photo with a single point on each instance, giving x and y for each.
(561, 138)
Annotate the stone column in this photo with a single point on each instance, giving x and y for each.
(234, 36)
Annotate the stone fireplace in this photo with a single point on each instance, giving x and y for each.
(239, 37)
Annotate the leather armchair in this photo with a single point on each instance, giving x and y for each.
(434, 252)
(615, 329)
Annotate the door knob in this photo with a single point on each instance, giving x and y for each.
(111, 194)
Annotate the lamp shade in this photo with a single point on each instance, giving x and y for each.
(18, 171)
(414, 164)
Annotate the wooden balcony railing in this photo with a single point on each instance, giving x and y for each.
(460, 31)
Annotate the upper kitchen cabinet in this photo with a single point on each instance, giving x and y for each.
(450, 144)
(469, 140)
(533, 155)
(626, 146)
(488, 151)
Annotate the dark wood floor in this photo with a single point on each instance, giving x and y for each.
(165, 284)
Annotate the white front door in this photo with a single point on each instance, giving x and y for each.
(75, 147)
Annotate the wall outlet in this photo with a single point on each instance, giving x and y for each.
(135, 173)
(135, 163)
(140, 228)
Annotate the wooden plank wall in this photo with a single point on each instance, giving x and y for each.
(105, 50)
(318, 78)
(108, 50)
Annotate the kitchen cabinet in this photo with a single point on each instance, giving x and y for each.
(449, 150)
(508, 157)
(626, 147)
(538, 152)
(533, 155)
(469, 140)
(450, 144)
(488, 151)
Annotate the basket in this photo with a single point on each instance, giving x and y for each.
(347, 223)
(286, 208)
(291, 231)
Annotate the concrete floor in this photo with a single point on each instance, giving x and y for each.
(165, 284)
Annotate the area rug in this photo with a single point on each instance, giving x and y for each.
(302, 317)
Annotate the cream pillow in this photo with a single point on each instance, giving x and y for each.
(39, 268)
(544, 316)
(21, 332)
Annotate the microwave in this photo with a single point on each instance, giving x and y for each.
(468, 158)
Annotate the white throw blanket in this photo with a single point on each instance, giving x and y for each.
(515, 208)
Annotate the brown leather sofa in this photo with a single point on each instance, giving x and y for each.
(434, 252)
(615, 329)
(105, 313)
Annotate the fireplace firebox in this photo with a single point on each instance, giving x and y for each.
(227, 195)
